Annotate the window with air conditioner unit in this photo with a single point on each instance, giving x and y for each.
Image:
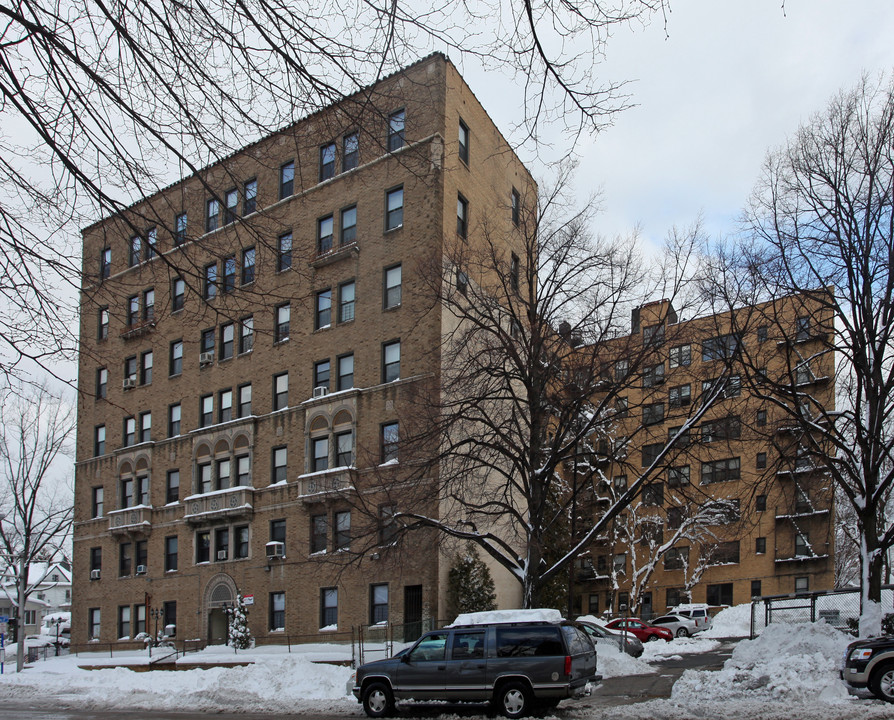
(206, 358)
(94, 574)
(276, 549)
(221, 554)
(129, 383)
(141, 569)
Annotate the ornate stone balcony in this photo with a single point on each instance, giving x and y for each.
(131, 521)
(230, 503)
(327, 482)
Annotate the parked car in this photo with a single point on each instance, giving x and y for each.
(642, 630)
(627, 642)
(870, 663)
(517, 666)
(700, 612)
(679, 625)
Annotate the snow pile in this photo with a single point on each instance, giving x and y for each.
(505, 616)
(660, 650)
(790, 663)
(733, 621)
(611, 662)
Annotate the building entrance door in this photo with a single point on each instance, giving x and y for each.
(217, 627)
(412, 612)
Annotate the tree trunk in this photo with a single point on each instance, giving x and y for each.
(871, 566)
(22, 586)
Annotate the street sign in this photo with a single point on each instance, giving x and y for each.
(4, 618)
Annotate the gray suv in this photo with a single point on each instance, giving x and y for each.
(517, 666)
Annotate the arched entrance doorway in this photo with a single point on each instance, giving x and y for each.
(219, 592)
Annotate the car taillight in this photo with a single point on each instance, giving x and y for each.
(568, 665)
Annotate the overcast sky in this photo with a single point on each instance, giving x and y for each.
(730, 80)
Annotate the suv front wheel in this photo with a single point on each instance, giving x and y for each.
(514, 700)
(378, 701)
(882, 682)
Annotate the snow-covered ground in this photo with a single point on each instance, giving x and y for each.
(788, 672)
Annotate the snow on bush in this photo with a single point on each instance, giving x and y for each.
(792, 663)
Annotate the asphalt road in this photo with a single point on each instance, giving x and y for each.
(612, 692)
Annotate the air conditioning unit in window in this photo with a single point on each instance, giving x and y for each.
(320, 391)
(129, 383)
(141, 569)
(221, 554)
(94, 574)
(275, 550)
(206, 358)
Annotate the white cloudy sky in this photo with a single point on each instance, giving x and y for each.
(730, 79)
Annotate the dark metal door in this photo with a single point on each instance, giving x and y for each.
(412, 612)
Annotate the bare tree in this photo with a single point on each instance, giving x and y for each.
(113, 102)
(820, 252)
(36, 428)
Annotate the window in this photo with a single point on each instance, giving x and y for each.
(344, 449)
(243, 471)
(462, 216)
(515, 204)
(250, 197)
(102, 383)
(248, 266)
(146, 368)
(802, 545)
(130, 370)
(130, 431)
(222, 544)
(388, 527)
(346, 295)
(390, 437)
(178, 294)
(760, 546)
(203, 478)
(278, 531)
(651, 452)
(723, 553)
(321, 374)
(284, 252)
(462, 282)
(762, 334)
(228, 283)
(653, 335)
(96, 558)
(653, 413)
(134, 251)
(678, 476)
(720, 471)
(727, 428)
(721, 347)
(283, 316)
(349, 226)
(802, 584)
(99, 441)
(96, 502)
(227, 340)
(378, 603)
(391, 361)
(396, 122)
(203, 547)
(675, 517)
(721, 594)
(105, 263)
(325, 230)
(760, 503)
(802, 329)
(170, 553)
(803, 375)
(319, 454)
(679, 396)
(327, 161)
(246, 334)
(277, 613)
(231, 202)
(653, 494)
(172, 487)
(149, 305)
(212, 215)
(124, 559)
(622, 370)
(175, 362)
(124, 622)
(323, 311)
(329, 608)
(145, 427)
(513, 272)
(287, 180)
(240, 542)
(209, 291)
(245, 400)
(179, 229)
(350, 152)
(206, 410)
(619, 563)
(394, 208)
(345, 369)
(280, 391)
(280, 471)
(319, 533)
(93, 624)
(680, 356)
(761, 460)
(102, 325)
(225, 406)
(127, 493)
(392, 287)
(755, 588)
(653, 375)
(761, 418)
(676, 558)
(133, 310)
(343, 530)
(151, 243)
(463, 142)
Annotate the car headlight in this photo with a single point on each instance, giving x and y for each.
(861, 654)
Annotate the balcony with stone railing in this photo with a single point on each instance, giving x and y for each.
(326, 482)
(131, 521)
(237, 502)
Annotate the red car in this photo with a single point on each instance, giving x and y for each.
(642, 630)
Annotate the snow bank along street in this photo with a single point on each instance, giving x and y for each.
(789, 671)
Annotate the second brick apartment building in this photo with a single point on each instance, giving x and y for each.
(249, 336)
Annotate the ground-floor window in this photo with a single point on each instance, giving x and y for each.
(277, 611)
(721, 594)
(328, 607)
(93, 624)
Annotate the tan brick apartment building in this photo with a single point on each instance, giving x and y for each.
(778, 535)
(249, 337)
